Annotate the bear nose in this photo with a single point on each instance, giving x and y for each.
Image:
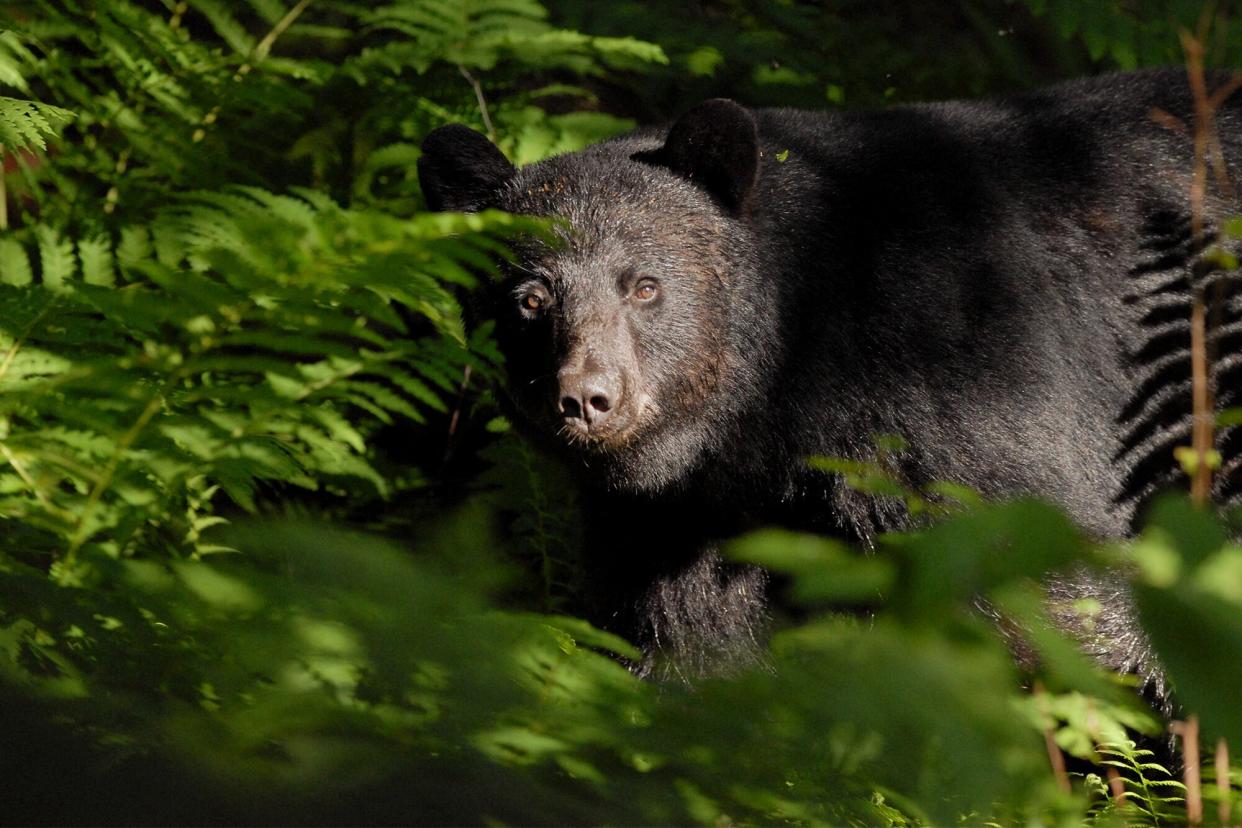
(588, 397)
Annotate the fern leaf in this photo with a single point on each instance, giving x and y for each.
(338, 428)
(30, 365)
(331, 458)
(55, 256)
(296, 211)
(25, 124)
(383, 397)
(399, 156)
(96, 257)
(14, 263)
(15, 61)
(134, 247)
(226, 25)
(627, 52)
(270, 10)
(472, 33)
(418, 390)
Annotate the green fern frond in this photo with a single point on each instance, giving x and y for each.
(26, 124)
(96, 257)
(225, 23)
(56, 255)
(472, 33)
(201, 307)
(479, 34)
(227, 358)
(14, 263)
(15, 61)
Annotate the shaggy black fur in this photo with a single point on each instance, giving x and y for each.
(1004, 284)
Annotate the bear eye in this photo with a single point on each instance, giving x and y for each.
(532, 302)
(646, 290)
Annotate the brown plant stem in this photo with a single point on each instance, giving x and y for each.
(1055, 757)
(1224, 806)
(478, 96)
(265, 45)
(4, 195)
(1189, 731)
(1202, 437)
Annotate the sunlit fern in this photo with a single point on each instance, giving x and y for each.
(260, 342)
(1151, 796)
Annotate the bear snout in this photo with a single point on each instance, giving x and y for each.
(588, 399)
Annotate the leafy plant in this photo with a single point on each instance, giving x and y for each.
(229, 337)
(1148, 793)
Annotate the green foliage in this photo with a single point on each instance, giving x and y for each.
(1149, 795)
(179, 334)
(479, 34)
(26, 124)
(261, 346)
(272, 676)
(275, 673)
(15, 61)
(862, 54)
(1190, 598)
(221, 305)
(1132, 34)
(217, 289)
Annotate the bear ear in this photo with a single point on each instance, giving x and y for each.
(715, 145)
(460, 169)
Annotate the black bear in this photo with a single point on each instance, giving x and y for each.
(1004, 284)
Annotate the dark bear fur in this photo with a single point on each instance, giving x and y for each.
(1004, 284)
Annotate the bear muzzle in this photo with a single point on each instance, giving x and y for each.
(592, 403)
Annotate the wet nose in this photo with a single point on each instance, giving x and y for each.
(588, 397)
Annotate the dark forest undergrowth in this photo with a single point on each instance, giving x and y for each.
(268, 553)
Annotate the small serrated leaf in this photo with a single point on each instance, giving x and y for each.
(14, 263)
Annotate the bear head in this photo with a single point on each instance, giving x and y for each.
(633, 338)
